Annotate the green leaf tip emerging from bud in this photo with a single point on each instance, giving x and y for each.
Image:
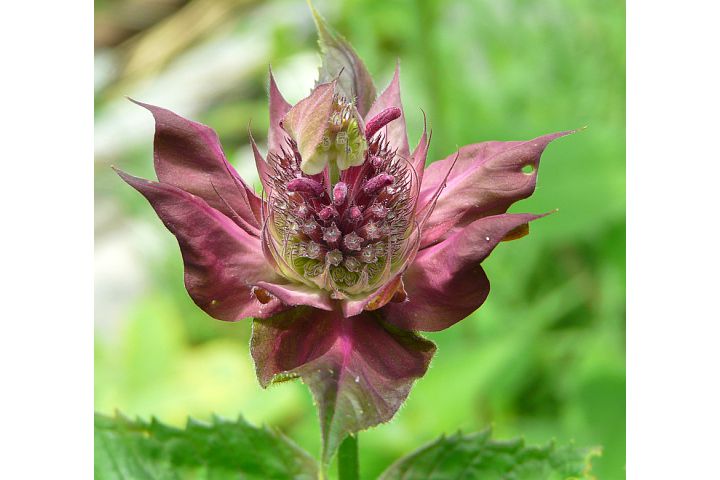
(339, 60)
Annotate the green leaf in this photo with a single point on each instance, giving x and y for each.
(476, 456)
(339, 58)
(307, 122)
(140, 450)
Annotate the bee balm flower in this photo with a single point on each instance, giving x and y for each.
(353, 247)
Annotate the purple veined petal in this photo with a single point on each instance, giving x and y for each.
(307, 121)
(278, 109)
(396, 131)
(189, 156)
(358, 370)
(487, 178)
(425, 208)
(222, 261)
(446, 283)
(440, 170)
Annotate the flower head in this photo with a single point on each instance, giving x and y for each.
(353, 246)
(349, 227)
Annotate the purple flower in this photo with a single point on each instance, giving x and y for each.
(354, 245)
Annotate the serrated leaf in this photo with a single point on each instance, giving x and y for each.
(140, 450)
(339, 58)
(477, 456)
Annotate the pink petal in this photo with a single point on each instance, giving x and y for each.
(446, 283)
(189, 156)
(278, 109)
(487, 178)
(222, 261)
(263, 168)
(359, 371)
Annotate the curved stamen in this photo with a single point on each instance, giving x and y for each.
(380, 120)
(305, 185)
(377, 183)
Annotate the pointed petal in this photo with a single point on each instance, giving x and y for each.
(487, 178)
(359, 371)
(339, 58)
(264, 170)
(446, 282)
(396, 131)
(222, 261)
(189, 156)
(278, 109)
(419, 155)
(306, 123)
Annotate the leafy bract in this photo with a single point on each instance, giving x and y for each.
(222, 449)
(359, 370)
(340, 61)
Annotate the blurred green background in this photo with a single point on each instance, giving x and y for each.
(543, 358)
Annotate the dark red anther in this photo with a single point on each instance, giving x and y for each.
(327, 213)
(340, 193)
(305, 185)
(377, 183)
(380, 120)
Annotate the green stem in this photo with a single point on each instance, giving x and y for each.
(334, 172)
(348, 466)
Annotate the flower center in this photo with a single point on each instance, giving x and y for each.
(347, 235)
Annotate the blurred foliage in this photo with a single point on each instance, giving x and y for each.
(543, 358)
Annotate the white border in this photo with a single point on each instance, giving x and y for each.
(673, 210)
(46, 88)
(673, 242)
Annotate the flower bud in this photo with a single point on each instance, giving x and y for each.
(340, 193)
